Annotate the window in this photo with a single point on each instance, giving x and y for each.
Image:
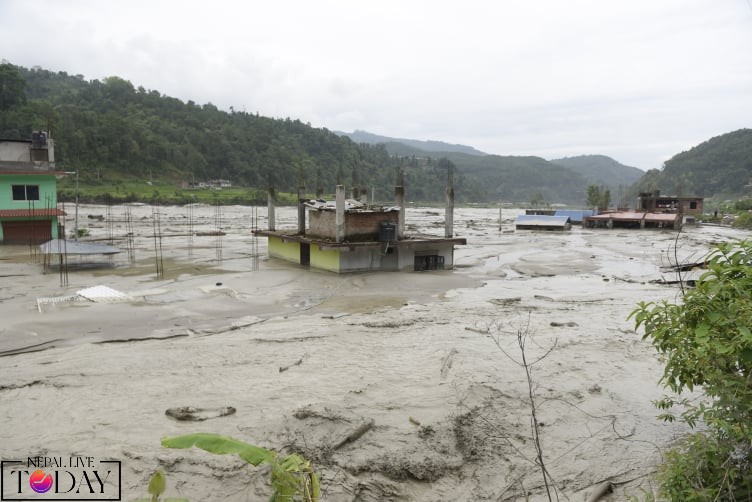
(25, 192)
(693, 205)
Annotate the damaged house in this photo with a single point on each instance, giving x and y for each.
(349, 236)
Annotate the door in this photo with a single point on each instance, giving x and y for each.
(305, 254)
(27, 231)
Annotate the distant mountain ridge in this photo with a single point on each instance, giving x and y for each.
(517, 177)
(430, 146)
(601, 170)
(720, 167)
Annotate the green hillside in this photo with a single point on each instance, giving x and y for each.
(131, 143)
(718, 168)
(601, 170)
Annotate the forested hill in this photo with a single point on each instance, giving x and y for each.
(519, 178)
(719, 168)
(432, 147)
(111, 130)
(601, 170)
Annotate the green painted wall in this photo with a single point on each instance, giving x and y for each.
(325, 259)
(47, 197)
(47, 191)
(289, 251)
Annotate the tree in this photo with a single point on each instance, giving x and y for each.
(12, 87)
(598, 197)
(706, 343)
(537, 200)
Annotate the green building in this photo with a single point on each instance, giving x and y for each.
(28, 191)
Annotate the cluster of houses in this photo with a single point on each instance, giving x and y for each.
(653, 211)
(341, 236)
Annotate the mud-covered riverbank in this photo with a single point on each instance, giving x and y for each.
(305, 358)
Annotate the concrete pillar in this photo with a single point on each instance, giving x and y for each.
(449, 210)
(270, 206)
(301, 211)
(339, 217)
(399, 200)
(500, 219)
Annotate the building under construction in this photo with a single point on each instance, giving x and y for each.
(349, 236)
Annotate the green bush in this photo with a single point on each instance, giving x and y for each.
(706, 343)
(704, 467)
(743, 220)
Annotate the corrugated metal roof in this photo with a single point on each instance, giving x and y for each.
(623, 215)
(30, 213)
(575, 214)
(542, 220)
(637, 216)
(60, 246)
(102, 294)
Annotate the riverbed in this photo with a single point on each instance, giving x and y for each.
(424, 366)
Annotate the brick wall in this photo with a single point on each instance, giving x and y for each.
(359, 226)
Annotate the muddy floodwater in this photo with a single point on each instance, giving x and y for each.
(398, 386)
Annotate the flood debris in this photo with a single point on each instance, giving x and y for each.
(687, 267)
(666, 282)
(601, 491)
(353, 434)
(282, 369)
(94, 294)
(191, 414)
(103, 294)
(446, 364)
(505, 301)
(309, 411)
(22, 385)
(402, 465)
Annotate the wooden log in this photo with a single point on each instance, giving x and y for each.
(601, 490)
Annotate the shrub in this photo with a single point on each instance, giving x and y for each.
(743, 220)
(706, 343)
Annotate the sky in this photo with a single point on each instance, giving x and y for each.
(637, 80)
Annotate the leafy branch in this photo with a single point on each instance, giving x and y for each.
(292, 477)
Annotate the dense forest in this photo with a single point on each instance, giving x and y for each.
(111, 129)
(718, 168)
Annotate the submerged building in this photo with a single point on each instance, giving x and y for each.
(28, 190)
(634, 219)
(348, 236)
(657, 203)
(542, 222)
